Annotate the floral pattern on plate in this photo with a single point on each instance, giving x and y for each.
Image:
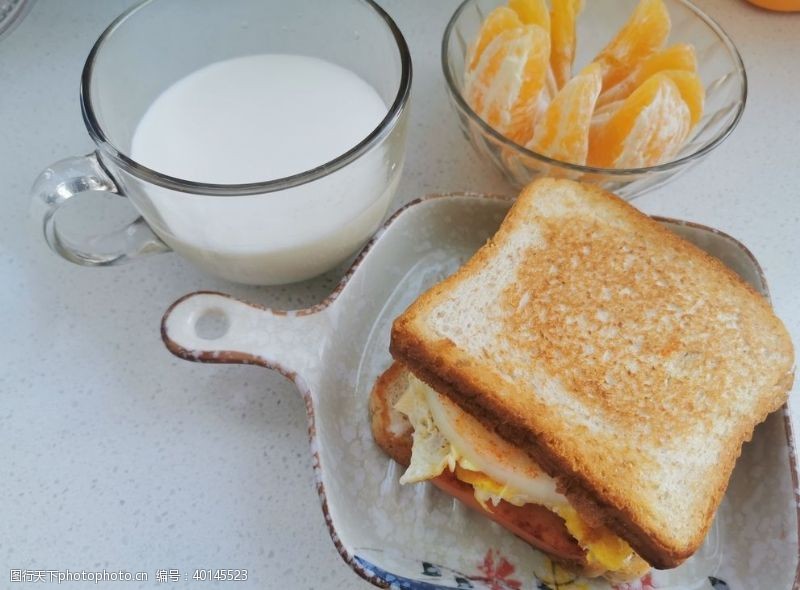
(496, 572)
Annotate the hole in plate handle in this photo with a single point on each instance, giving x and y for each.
(212, 325)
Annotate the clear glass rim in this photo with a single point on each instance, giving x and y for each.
(126, 162)
(465, 108)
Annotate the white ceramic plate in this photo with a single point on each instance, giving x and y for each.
(414, 536)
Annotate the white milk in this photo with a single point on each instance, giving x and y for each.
(259, 118)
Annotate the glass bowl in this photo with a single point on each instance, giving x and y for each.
(719, 66)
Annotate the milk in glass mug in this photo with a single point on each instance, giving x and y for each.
(262, 140)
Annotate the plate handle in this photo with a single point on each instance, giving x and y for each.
(213, 327)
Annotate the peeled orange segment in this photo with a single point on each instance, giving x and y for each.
(778, 5)
(500, 19)
(601, 116)
(645, 33)
(532, 12)
(646, 129)
(505, 86)
(531, 101)
(550, 85)
(562, 36)
(602, 113)
(563, 131)
(677, 57)
(692, 92)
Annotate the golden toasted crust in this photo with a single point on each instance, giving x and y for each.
(630, 364)
(391, 429)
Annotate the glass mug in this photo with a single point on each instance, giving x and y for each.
(271, 232)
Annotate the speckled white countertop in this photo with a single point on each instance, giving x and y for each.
(115, 454)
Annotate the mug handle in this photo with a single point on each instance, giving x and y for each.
(68, 178)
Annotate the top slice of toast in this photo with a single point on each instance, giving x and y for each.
(629, 363)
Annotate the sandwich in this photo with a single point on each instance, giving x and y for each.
(587, 380)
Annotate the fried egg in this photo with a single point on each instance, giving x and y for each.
(446, 437)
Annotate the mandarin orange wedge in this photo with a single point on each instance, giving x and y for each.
(562, 38)
(692, 91)
(563, 130)
(677, 57)
(535, 12)
(498, 20)
(532, 12)
(647, 128)
(778, 5)
(602, 114)
(505, 87)
(643, 34)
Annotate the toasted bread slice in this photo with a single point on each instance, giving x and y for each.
(630, 364)
(391, 429)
